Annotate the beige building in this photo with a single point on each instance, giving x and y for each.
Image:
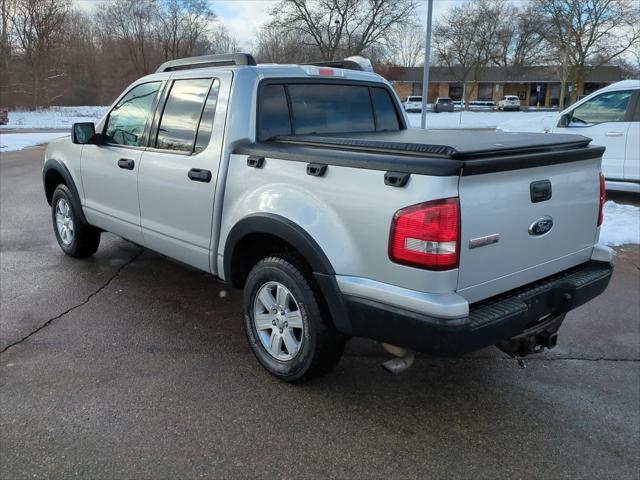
(535, 86)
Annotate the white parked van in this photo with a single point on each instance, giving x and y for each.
(611, 118)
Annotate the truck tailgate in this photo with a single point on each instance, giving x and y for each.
(504, 237)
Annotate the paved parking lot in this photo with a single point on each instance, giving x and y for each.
(129, 365)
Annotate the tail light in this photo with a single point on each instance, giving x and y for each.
(427, 235)
(603, 199)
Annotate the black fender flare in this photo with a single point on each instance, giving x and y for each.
(280, 227)
(60, 168)
(304, 243)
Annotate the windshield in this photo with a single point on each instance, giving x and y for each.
(414, 99)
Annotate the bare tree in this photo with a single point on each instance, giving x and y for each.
(5, 50)
(528, 46)
(220, 41)
(405, 45)
(517, 40)
(183, 27)
(277, 45)
(465, 40)
(341, 27)
(37, 26)
(133, 23)
(588, 32)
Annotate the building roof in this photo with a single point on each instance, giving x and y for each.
(602, 74)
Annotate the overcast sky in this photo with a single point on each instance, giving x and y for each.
(244, 17)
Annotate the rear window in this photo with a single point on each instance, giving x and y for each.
(303, 109)
(330, 108)
(414, 99)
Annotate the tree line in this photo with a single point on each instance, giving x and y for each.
(55, 54)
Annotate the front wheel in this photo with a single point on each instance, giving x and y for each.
(76, 238)
(287, 325)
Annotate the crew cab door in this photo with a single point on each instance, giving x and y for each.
(177, 179)
(605, 119)
(110, 170)
(632, 160)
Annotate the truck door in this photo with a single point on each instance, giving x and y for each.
(178, 171)
(632, 160)
(110, 170)
(604, 118)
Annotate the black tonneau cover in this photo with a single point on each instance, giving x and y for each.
(430, 152)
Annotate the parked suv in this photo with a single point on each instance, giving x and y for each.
(443, 104)
(509, 102)
(303, 186)
(413, 104)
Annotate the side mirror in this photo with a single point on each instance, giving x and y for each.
(564, 120)
(83, 133)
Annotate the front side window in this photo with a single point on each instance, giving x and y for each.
(128, 119)
(181, 114)
(606, 107)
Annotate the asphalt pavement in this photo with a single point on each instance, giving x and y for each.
(131, 366)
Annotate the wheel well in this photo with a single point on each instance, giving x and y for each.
(52, 179)
(250, 250)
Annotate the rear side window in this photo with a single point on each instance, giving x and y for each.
(274, 112)
(384, 109)
(181, 114)
(208, 114)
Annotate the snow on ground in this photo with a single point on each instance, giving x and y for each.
(54, 117)
(464, 119)
(10, 142)
(621, 224)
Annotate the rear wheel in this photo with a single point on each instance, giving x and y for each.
(76, 238)
(287, 326)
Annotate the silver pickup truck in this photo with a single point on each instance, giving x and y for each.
(304, 186)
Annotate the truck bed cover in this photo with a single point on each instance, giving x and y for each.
(430, 152)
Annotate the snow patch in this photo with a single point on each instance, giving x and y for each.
(621, 224)
(470, 119)
(54, 117)
(10, 142)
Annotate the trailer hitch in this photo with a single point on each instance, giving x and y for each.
(534, 339)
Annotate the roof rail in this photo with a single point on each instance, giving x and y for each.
(224, 60)
(349, 63)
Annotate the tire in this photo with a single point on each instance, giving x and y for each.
(76, 238)
(319, 344)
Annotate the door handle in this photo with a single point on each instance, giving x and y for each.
(198, 175)
(613, 134)
(126, 163)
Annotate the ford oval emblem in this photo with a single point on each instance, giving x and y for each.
(541, 226)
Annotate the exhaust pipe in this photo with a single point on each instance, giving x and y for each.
(404, 358)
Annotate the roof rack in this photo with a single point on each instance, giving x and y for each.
(349, 63)
(225, 60)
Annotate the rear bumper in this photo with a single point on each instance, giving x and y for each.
(491, 321)
(623, 186)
